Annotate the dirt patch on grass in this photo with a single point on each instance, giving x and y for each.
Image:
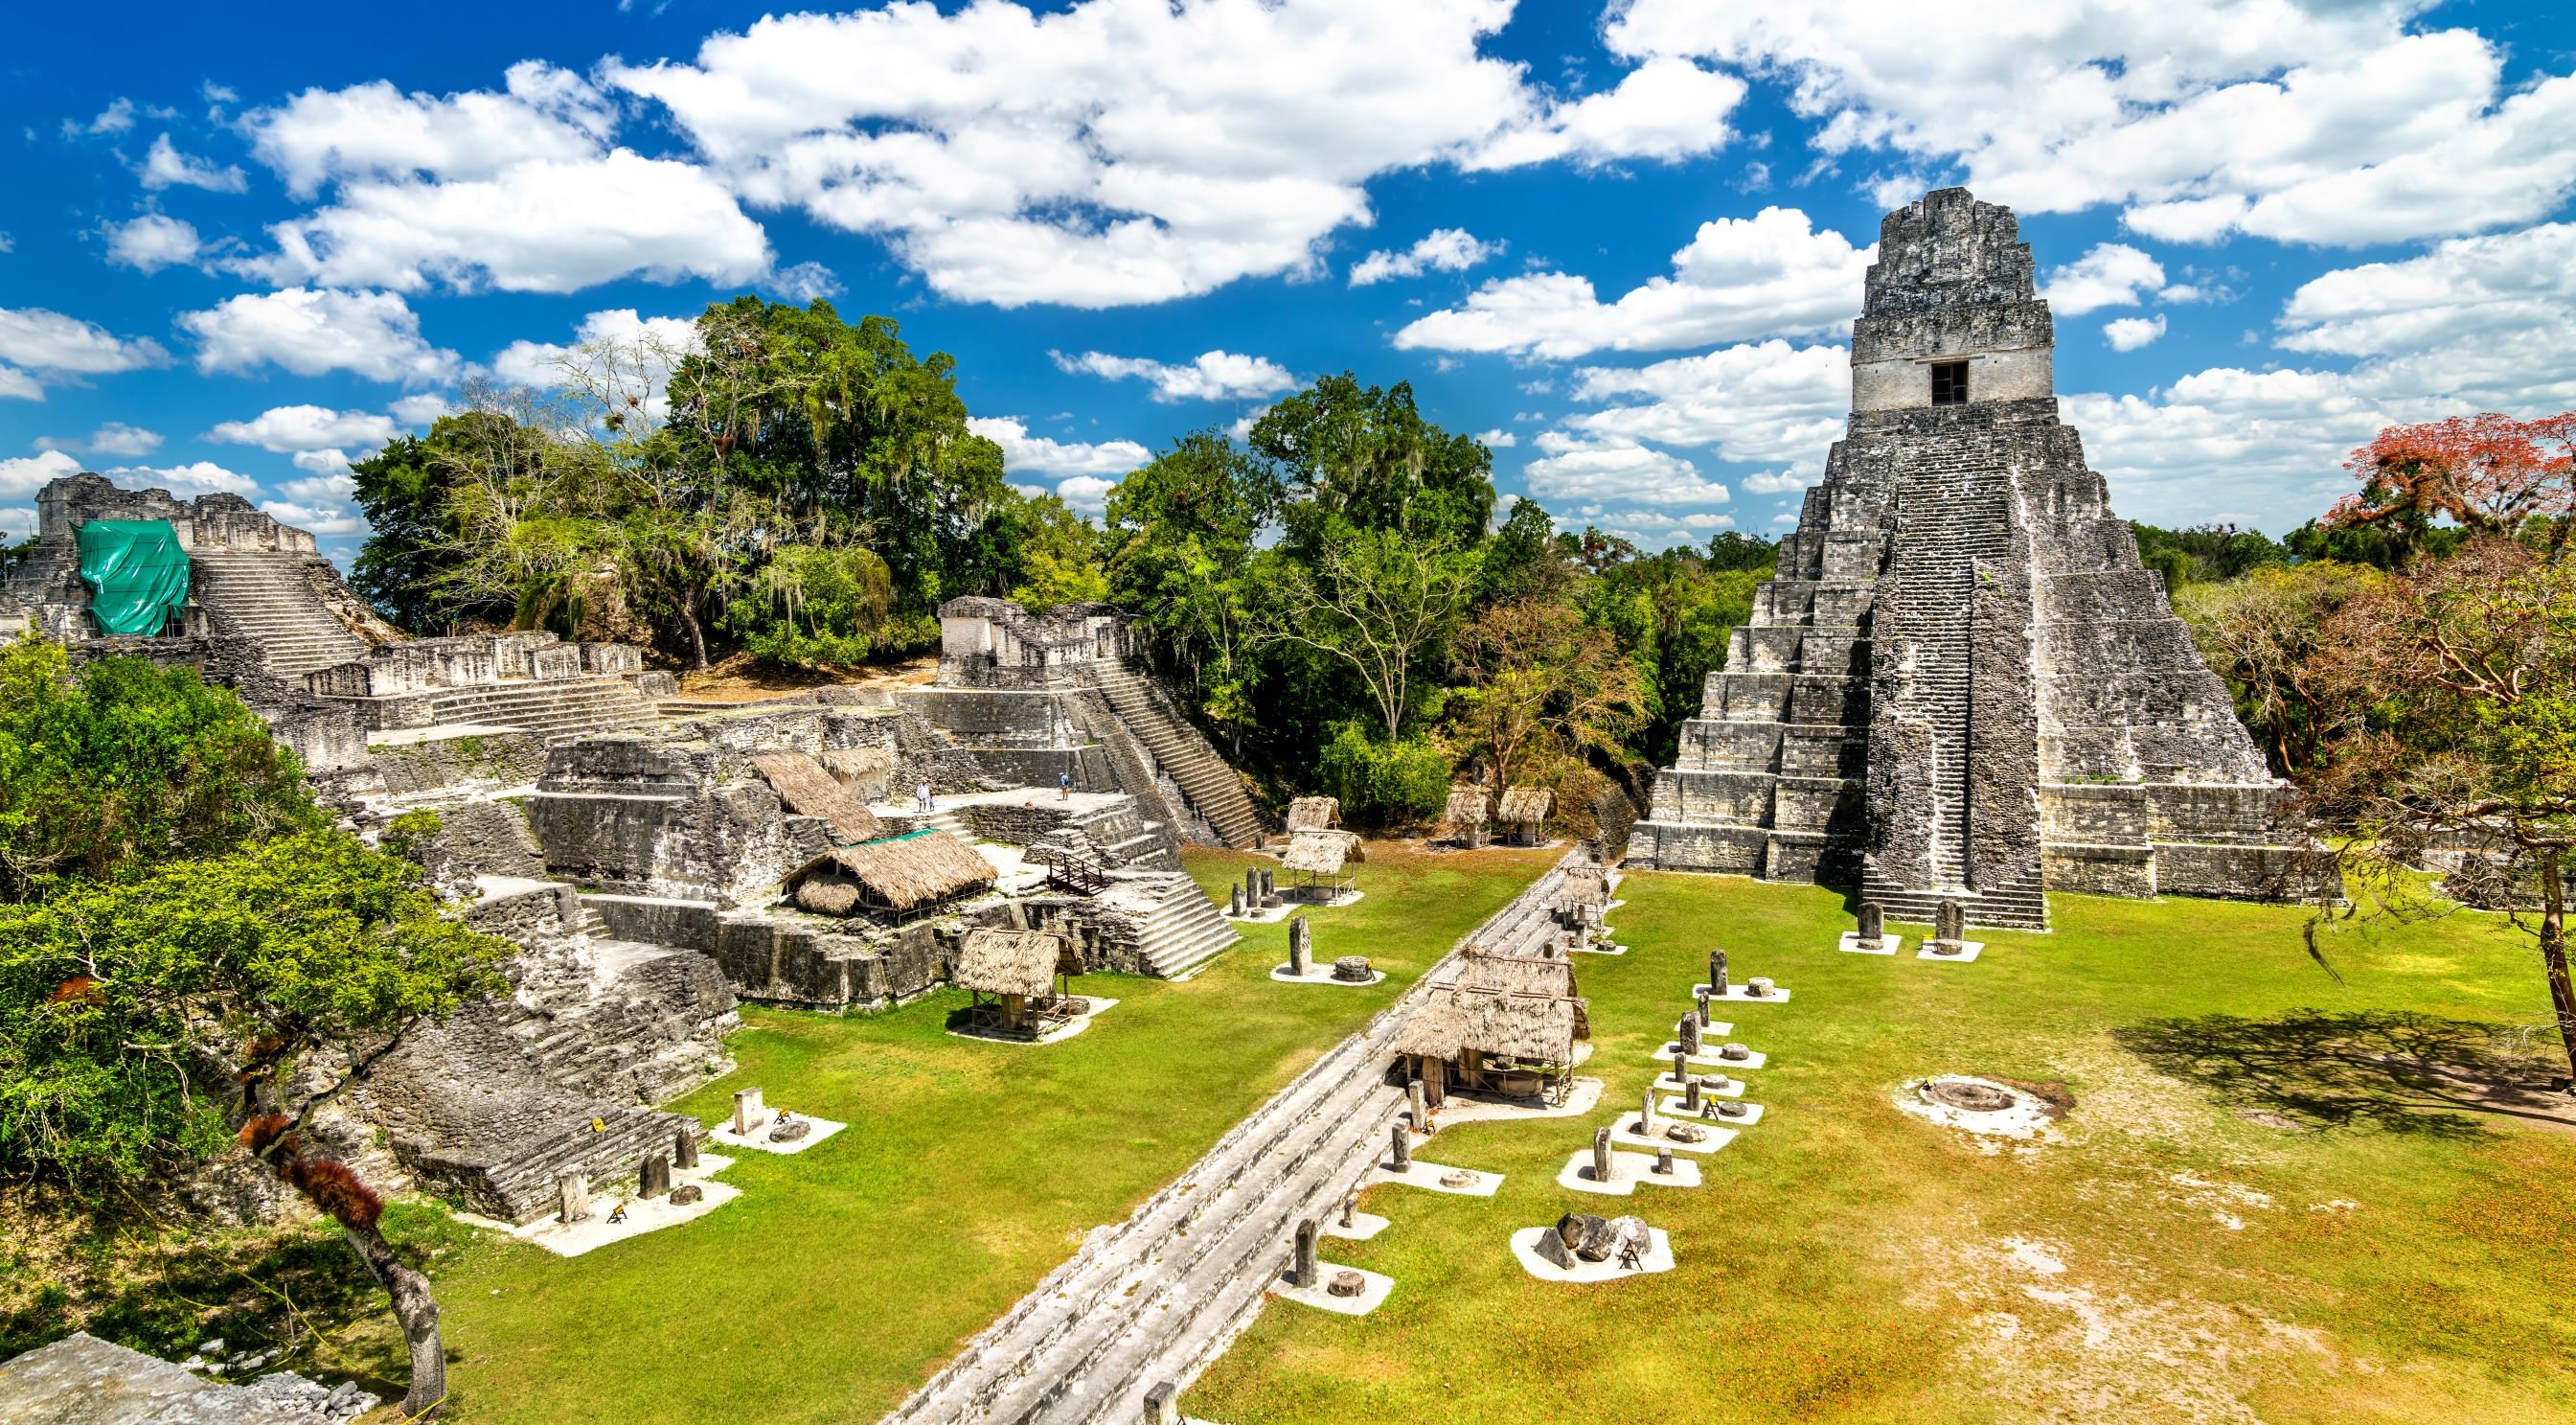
(2051, 1336)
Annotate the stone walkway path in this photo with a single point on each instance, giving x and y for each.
(1153, 1300)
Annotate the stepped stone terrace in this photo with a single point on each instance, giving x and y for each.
(1962, 683)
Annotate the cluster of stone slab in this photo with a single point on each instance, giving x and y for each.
(1961, 683)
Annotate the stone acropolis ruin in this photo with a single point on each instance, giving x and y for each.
(1962, 684)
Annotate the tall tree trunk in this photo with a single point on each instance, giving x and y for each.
(417, 1310)
(2553, 954)
(697, 635)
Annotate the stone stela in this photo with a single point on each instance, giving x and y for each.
(1962, 683)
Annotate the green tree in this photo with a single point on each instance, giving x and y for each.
(1376, 601)
(120, 762)
(1181, 534)
(2263, 631)
(2454, 689)
(1364, 456)
(141, 1018)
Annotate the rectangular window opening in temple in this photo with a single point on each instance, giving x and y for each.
(1949, 383)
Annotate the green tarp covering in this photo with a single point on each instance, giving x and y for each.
(136, 572)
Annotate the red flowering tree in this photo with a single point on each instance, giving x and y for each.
(2487, 474)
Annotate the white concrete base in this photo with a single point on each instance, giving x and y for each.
(1734, 1087)
(1625, 1135)
(1601, 947)
(1968, 950)
(643, 1214)
(1057, 1035)
(758, 1138)
(1272, 916)
(1626, 1171)
(1428, 1175)
(1373, 1291)
(1672, 1108)
(1659, 1258)
(1323, 975)
(1364, 1225)
(1461, 1107)
(1883, 945)
(1301, 898)
(1735, 995)
(1716, 1029)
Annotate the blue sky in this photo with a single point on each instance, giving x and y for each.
(244, 246)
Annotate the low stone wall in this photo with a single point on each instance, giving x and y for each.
(482, 759)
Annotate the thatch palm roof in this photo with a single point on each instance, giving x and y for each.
(1526, 804)
(1322, 852)
(1483, 972)
(848, 764)
(1450, 1021)
(1010, 962)
(1314, 813)
(1468, 806)
(808, 790)
(1585, 886)
(902, 874)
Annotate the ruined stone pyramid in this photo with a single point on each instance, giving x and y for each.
(1962, 683)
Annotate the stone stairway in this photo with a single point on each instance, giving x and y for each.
(1954, 524)
(555, 707)
(1178, 927)
(1154, 1299)
(527, 1185)
(263, 595)
(1212, 788)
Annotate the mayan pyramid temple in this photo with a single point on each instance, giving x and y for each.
(1963, 684)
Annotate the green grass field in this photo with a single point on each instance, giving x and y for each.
(847, 1274)
(2259, 1207)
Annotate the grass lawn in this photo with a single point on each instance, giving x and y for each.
(2342, 1255)
(845, 1275)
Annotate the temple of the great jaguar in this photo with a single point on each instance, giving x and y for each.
(1962, 684)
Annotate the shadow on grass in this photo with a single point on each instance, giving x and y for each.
(2394, 1071)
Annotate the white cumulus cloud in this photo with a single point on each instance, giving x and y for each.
(2131, 333)
(1213, 376)
(113, 438)
(164, 166)
(1026, 454)
(2111, 275)
(151, 242)
(1442, 250)
(24, 475)
(1617, 471)
(1110, 153)
(287, 429)
(2340, 124)
(1767, 403)
(197, 477)
(309, 331)
(1739, 279)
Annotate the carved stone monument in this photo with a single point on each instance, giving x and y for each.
(748, 1113)
(684, 1148)
(1403, 1149)
(1301, 946)
(1717, 972)
(654, 1178)
(576, 1198)
(1301, 1271)
(1687, 1035)
(1873, 923)
(1603, 1165)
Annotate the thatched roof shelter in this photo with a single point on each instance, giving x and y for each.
(1322, 853)
(1452, 1020)
(1585, 886)
(849, 764)
(1468, 806)
(1483, 972)
(1526, 804)
(1012, 962)
(807, 789)
(902, 875)
(1314, 814)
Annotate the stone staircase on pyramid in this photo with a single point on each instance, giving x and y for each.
(264, 594)
(1210, 786)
